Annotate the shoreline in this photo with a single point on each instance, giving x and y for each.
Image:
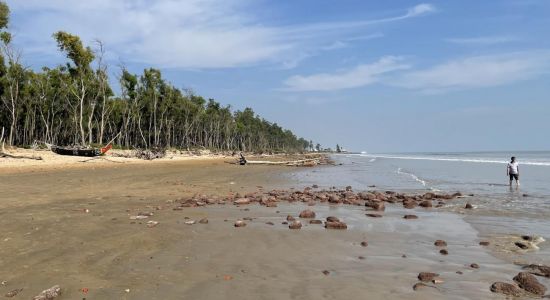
(74, 228)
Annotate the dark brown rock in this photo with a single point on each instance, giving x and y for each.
(361, 257)
(484, 243)
(315, 222)
(379, 206)
(307, 214)
(468, 206)
(409, 204)
(203, 221)
(426, 203)
(474, 266)
(332, 219)
(374, 215)
(440, 243)
(539, 270)
(326, 272)
(348, 188)
(427, 276)
(530, 283)
(506, 289)
(295, 225)
(241, 201)
(270, 223)
(335, 225)
(419, 285)
(364, 244)
(521, 245)
(444, 252)
(290, 218)
(410, 217)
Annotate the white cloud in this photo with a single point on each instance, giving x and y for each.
(477, 72)
(359, 76)
(179, 33)
(483, 40)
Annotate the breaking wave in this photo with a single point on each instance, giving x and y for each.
(474, 160)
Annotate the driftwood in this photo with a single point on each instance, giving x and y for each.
(4, 154)
(292, 163)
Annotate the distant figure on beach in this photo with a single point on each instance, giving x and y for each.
(512, 170)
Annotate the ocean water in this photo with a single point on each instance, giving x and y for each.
(482, 174)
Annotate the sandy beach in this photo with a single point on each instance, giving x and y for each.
(77, 227)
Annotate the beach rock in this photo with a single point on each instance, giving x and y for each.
(459, 272)
(440, 243)
(530, 283)
(409, 204)
(49, 294)
(364, 244)
(428, 196)
(410, 217)
(506, 289)
(474, 266)
(426, 203)
(290, 218)
(334, 199)
(379, 206)
(12, 293)
(326, 272)
(484, 243)
(241, 201)
(332, 219)
(348, 188)
(271, 204)
(295, 225)
(145, 214)
(307, 214)
(444, 252)
(284, 223)
(419, 285)
(468, 206)
(374, 215)
(315, 222)
(521, 245)
(152, 224)
(240, 223)
(361, 257)
(427, 276)
(539, 270)
(270, 223)
(335, 225)
(203, 221)
(315, 186)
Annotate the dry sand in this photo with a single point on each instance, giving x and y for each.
(72, 227)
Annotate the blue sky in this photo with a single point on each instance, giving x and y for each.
(376, 76)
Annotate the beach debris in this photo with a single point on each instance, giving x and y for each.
(374, 215)
(315, 222)
(85, 290)
(410, 217)
(529, 283)
(444, 252)
(364, 244)
(295, 225)
(152, 224)
(437, 281)
(506, 289)
(427, 276)
(468, 206)
(326, 272)
(459, 272)
(12, 293)
(307, 214)
(474, 266)
(49, 294)
(440, 243)
(138, 217)
(521, 245)
(241, 201)
(539, 270)
(240, 223)
(484, 243)
(227, 277)
(203, 221)
(145, 214)
(127, 290)
(190, 222)
(270, 223)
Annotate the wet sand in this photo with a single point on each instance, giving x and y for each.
(73, 228)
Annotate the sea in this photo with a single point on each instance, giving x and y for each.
(480, 176)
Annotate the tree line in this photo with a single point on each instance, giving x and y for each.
(74, 104)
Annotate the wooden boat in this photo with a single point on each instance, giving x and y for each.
(89, 152)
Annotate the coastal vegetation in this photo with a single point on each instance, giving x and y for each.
(75, 104)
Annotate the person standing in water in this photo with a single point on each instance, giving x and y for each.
(512, 170)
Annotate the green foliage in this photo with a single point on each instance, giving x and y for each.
(4, 15)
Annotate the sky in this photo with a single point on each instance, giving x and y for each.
(375, 76)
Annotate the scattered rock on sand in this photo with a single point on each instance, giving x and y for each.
(295, 225)
(530, 283)
(152, 224)
(326, 272)
(203, 221)
(521, 245)
(484, 243)
(241, 201)
(444, 252)
(468, 206)
(539, 270)
(332, 219)
(474, 266)
(335, 225)
(315, 222)
(12, 293)
(410, 217)
(307, 214)
(374, 215)
(270, 223)
(361, 257)
(240, 223)
(419, 285)
(409, 204)
(427, 276)
(290, 218)
(364, 244)
(440, 243)
(426, 203)
(506, 289)
(190, 222)
(49, 294)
